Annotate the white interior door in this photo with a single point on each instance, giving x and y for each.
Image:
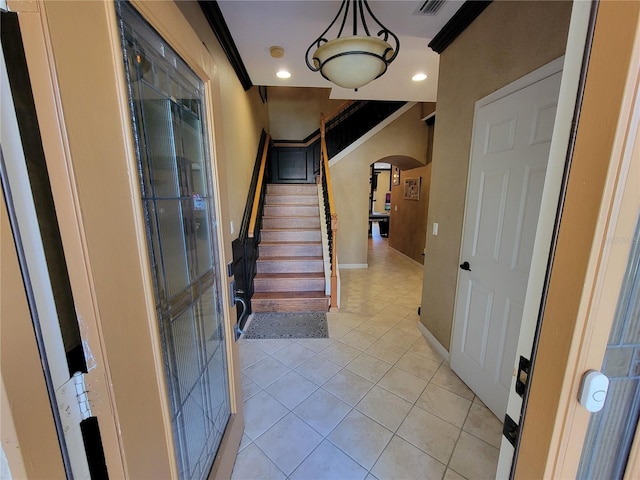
(509, 153)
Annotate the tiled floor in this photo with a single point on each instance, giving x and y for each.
(373, 401)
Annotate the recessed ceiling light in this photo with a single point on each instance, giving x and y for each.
(283, 74)
(418, 77)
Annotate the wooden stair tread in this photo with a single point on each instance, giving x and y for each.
(293, 204)
(286, 259)
(290, 275)
(290, 269)
(292, 187)
(307, 190)
(292, 243)
(290, 229)
(280, 295)
(275, 199)
(280, 217)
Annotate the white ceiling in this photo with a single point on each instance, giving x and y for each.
(294, 24)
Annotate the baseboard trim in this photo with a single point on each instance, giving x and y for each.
(353, 265)
(433, 341)
(406, 256)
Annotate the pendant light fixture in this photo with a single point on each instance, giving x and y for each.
(355, 60)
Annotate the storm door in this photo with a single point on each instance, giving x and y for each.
(166, 99)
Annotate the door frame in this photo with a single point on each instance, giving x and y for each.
(47, 102)
(92, 165)
(588, 265)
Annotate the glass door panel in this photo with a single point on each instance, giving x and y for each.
(170, 131)
(173, 248)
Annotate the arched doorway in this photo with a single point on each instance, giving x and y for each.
(397, 216)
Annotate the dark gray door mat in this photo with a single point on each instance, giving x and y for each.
(287, 325)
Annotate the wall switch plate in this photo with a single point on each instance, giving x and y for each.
(396, 208)
(233, 227)
(435, 229)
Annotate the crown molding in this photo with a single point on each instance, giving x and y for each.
(458, 24)
(213, 14)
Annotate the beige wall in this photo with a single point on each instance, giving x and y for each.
(244, 117)
(404, 138)
(294, 113)
(507, 41)
(409, 217)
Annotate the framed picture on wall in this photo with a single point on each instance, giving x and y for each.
(395, 176)
(412, 188)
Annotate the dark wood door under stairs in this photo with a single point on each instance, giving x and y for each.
(290, 266)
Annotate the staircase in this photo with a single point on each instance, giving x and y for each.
(290, 266)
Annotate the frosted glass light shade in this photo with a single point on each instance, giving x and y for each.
(352, 62)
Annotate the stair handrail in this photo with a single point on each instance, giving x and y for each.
(325, 179)
(258, 195)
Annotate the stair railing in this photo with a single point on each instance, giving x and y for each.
(258, 199)
(245, 247)
(330, 214)
(350, 123)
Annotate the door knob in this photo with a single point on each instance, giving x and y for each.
(465, 266)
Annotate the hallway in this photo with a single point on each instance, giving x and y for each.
(372, 401)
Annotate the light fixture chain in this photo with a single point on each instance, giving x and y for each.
(355, 17)
(386, 32)
(346, 3)
(321, 39)
(364, 22)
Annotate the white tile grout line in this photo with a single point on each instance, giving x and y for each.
(382, 266)
(394, 432)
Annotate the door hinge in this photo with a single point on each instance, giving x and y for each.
(81, 395)
(510, 430)
(522, 379)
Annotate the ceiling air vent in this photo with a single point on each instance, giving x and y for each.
(430, 7)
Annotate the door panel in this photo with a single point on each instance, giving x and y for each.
(506, 349)
(533, 185)
(490, 219)
(542, 125)
(507, 169)
(499, 136)
(477, 320)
